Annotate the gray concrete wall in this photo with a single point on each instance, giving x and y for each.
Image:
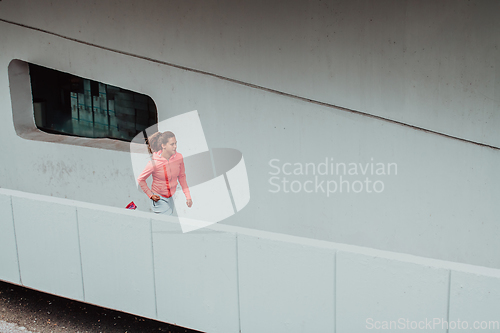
(232, 279)
(425, 64)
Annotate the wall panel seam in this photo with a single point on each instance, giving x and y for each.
(15, 239)
(335, 292)
(238, 282)
(448, 303)
(80, 252)
(154, 270)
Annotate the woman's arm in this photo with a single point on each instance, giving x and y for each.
(182, 180)
(184, 185)
(148, 170)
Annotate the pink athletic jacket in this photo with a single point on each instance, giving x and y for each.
(165, 174)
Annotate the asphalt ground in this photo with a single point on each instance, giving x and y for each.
(23, 310)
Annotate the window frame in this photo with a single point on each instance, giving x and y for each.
(23, 113)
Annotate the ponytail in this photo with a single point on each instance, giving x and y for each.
(153, 143)
(156, 141)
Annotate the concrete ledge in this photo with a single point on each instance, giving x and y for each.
(117, 261)
(285, 287)
(371, 289)
(224, 278)
(197, 280)
(48, 246)
(475, 298)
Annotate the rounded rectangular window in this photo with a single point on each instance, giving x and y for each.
(54, 106)
(67, 104)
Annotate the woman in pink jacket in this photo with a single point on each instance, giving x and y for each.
(167, 168)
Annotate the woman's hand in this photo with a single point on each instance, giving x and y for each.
(155, 197)
(189, 203)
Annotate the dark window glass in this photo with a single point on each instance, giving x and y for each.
(71, 105)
